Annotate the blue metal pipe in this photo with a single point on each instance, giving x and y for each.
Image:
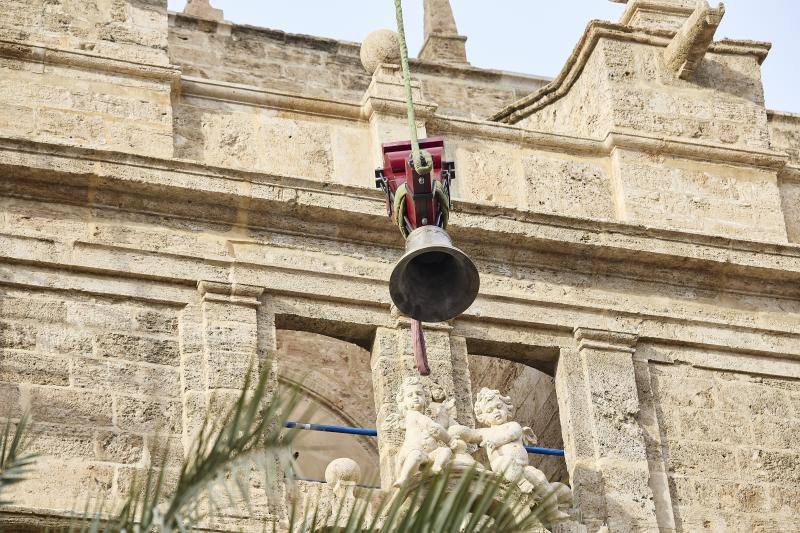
(333, 429)
(367, 432)
(545, 451)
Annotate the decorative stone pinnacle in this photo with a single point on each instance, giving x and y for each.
(202, 9)
(442, 42)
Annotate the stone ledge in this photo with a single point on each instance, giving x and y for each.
(248, 94)
(364, 208)
(55, 56)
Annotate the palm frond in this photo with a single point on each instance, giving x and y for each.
(452, 501)
(219, 461)
(15, 462)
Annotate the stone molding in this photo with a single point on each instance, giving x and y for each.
(232, 293)
(595, 31)
(690, 44)
(46, 55)
(248, 94)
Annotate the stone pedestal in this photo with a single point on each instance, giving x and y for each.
(393, 361)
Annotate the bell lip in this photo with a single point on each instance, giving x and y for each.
(408, 256)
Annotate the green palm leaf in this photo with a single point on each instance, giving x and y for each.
(15, 463)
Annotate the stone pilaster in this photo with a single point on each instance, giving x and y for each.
(384, 105)
(442, 43)
(604, 443)
(225, 335)
(219, 343)
(393, 361)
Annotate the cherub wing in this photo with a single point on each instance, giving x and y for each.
(529, 436)
(394, 421)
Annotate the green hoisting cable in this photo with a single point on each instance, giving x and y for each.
(417, 155)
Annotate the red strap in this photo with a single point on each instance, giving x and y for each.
(418, 343)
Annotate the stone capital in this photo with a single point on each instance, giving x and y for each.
(606, 340)
(386, 94)
(233, 293)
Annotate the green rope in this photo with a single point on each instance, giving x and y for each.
(419, 166)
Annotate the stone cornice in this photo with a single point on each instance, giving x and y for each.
(618, 138)
(231, 293)
(248, 94)
(55, 56)
(364, 211)
(596, 30)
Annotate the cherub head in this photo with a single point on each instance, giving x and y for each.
(492, 408)
(414, 395)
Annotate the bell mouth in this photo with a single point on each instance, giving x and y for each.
(433, 281)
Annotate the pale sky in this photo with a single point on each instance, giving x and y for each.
(529, 36)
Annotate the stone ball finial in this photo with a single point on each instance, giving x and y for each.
(380, 46)
(342, 469)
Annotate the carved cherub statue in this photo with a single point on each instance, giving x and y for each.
(426, 441)
(503, 440)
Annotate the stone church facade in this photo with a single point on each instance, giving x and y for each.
(180, 195)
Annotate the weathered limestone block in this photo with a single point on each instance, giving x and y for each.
(790, 202)
(97, 376)
(131, 30)
(295, 145)
(298, 147)
(568, 187)
(728, 441)
(584, 110)
(724, 102)
(480, 163)
(701, 197)
(384, 106)
(202, 9)
(94, 107)
(657, 14)
(87, 73)
(784, 130)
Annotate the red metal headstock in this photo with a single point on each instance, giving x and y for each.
(423, 199)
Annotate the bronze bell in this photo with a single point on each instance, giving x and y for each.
(433, 281)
